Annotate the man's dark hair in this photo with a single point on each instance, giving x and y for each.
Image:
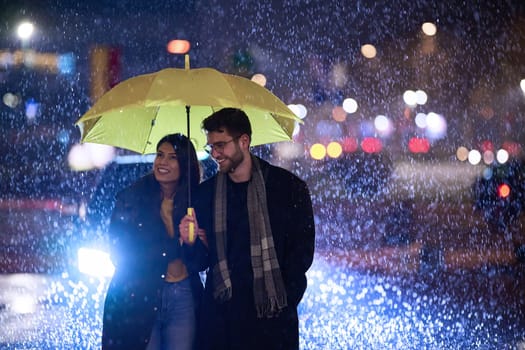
(232, 120)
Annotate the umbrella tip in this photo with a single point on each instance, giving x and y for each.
(186, 61)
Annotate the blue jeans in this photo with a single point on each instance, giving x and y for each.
(174, 328)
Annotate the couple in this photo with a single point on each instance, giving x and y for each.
(255, 239)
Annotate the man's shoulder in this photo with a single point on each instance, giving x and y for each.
(207, 186)
(280, 174)
(208, 182)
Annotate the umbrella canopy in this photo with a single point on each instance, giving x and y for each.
(138, 112)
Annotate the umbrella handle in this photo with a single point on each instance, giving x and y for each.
(191, 229)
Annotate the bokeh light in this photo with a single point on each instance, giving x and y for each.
(462, 153)
(317, 151)
(11, 100)
(259, 79)
(383, 125)
(421, 120)
(89, 156)
(429, 28)
(299, 110)
(436, 126)
(334, 150)
(371, 145)
(418, 145)
(488, 157)
(503, 190)
(350, 105)
(410, 97)
(25, 30)
(368, 50)
(487, 145)
(338, 114)
(474, 157)
(78, 160)
(350, 144)
(502, 156)
(421, 97)
(178, 46)
(413, 98)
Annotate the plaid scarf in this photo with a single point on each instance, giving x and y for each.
(268, 287)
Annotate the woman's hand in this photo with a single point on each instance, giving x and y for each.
(185, 230)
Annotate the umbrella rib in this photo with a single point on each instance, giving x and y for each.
(151, 129)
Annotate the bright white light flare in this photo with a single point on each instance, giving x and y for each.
(502, 156)
(474, 157)
(25, 30)
(429, 28)
(436, 126)
(410, 97)
(299, 110)
(95, 263)
(350, 105)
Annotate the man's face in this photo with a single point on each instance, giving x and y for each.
(225, 150)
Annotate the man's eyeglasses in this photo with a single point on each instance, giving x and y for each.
(218, 146)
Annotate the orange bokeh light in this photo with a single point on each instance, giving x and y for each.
(178, 46)
(503, 191)
(339, 114)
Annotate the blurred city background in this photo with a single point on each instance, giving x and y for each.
(412, 145)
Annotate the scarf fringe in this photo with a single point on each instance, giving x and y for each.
(223, 294)
(272, 307)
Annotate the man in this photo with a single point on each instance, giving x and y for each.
(259, 226)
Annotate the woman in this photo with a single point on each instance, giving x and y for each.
(153, 296)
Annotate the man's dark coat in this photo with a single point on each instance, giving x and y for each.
(292, 223)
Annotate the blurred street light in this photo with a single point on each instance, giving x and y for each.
(24, 32)
(369, 51)
(429, 28)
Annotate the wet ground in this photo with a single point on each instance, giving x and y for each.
(343, 308)
(461, 309)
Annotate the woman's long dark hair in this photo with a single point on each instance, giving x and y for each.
(186, 156)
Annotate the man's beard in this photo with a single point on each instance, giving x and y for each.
(232, 163)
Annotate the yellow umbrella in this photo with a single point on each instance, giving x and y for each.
(138, 112)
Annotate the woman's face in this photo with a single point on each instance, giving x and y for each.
(166, 166)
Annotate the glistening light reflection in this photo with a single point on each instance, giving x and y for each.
(95, 263)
